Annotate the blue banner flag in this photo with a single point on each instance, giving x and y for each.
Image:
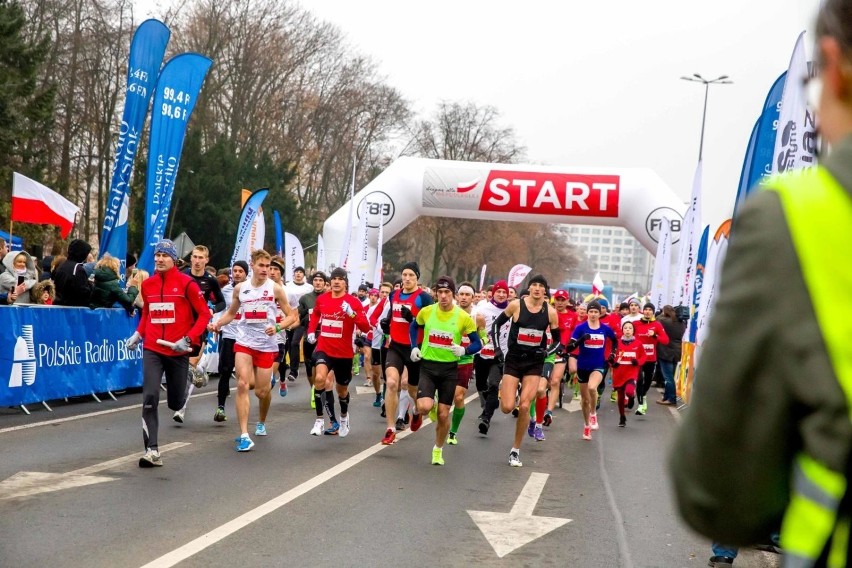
(146, 57)
(59, 352)
(743, 188)
(177, 91)
(242, 246)
(700, 271)
(279, 234)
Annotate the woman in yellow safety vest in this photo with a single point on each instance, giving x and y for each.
(766, 440)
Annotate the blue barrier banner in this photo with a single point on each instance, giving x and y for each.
(174, 100)
(56, 352)
(146, 57)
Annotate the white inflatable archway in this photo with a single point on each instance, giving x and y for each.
(633, 198)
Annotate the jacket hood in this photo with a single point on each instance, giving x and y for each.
(104, 274)
(9, 262)
(39, 288)
(78, 250)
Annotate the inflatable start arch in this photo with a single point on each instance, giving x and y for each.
(633, 198)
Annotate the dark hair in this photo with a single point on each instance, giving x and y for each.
(834, 21)
(669, 312)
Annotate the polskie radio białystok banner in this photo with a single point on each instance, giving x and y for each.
(146, 57)
(177, 91)
(56, 352)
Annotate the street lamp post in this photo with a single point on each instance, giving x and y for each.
(696, 78)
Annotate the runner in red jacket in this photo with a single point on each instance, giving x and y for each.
(650, 332)
(629, 359)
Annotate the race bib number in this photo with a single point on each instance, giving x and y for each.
(530, 337)
(162, 312)
(255, 317)
(650, 348)
(333, 329)
(440, 339)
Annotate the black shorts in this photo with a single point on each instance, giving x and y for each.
(399, 358)
(375, 356)
(440, 378)
(281, 357)
(226, 357)
(583, 375)
(547, 370)
(341, 367)
(520, 365)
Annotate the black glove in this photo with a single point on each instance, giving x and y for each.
(585, 337)
(635, 362)
(384, 324)
(572, 345)
(611, 359)
(499, 357)
(405, 311)
(614, 364)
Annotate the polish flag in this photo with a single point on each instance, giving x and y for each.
(597, 285)
(33, 202)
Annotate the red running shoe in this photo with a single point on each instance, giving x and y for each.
(416, 422)
(389, 438)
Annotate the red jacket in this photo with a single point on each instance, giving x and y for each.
(642, 327)
(174, 308)
(333, 328)
(626, 354)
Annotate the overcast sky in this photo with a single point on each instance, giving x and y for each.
(591, 83)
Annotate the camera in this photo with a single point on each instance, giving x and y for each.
(682, 313)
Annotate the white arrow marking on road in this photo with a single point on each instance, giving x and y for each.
(29, 483)
(574, 405)
(365, 390)
(509, 531)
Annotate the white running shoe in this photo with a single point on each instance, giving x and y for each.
(593, 422)
(515, 459)
(344, 426)
(179, 415)
(319, 426)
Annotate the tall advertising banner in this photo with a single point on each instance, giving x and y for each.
(146, 57)
(682, 291)
(700, 271)
(321, 263)
(709, 290)
(174, 100)
(343, 261)
(482, 277)
(294, 255)
(358, 265)
(686, 370)
(662, 266)
(257, 236)
(243, 244)
(517, 274)
(279, 238)
(796, 138)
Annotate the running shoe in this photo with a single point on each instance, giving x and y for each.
(613, 397)
(319, 426)
(200, 379)
(356, 369)
(515, 459)
(272, 382)
(622, 422)
(151, 458)
(416, 422)
(344, 426)
(515, 412)
(313, 400)
(587, 433)
(593, 421)
(390, 436)
(260, 430)
(244, 443)
(643, 408)
(433, 413)
(484, 423)
(437, 456)
(282, 389)
(452, 439)
(333, 429)
(667, 402)
(378, 402)
(219, 416)
(179, 415)
(548, 418)
(291, 377)
(538, 434)
(400, 424)
(720, 561)
(531, 428)
(631, 400)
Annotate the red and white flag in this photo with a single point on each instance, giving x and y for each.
(597, 285)
(33, 202)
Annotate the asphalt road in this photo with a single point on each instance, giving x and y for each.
(299, 500)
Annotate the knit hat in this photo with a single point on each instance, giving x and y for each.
(166, 246)
(320, 274)
(413, 267)
(242, 264)
(538, 279)
(633, 301)
(298, 269)
(447, 283)
(339, 273)
(593, 305)
(603, 303)
(500, 285)
(649, 305)
(363, 287)
(277, 264)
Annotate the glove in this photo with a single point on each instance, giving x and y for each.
(585, 337)
(132, 341)
(183, 345)
(312, 338)
(416, 355)
(347, 309)
(457, 350)
(635, 362)
(615, 364)
(611, 359)
(499, 356)
(384, 324)
(405, 311)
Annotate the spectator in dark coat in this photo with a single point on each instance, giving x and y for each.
(45, 268)
(72, 284)
(669, 355)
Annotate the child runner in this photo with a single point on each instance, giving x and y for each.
(630, 356)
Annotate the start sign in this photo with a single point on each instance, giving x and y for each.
(546, 193)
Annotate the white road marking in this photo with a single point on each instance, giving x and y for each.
(90, 415)
(29, 483)
(621, 534)
(506, 532)
(202, 542)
